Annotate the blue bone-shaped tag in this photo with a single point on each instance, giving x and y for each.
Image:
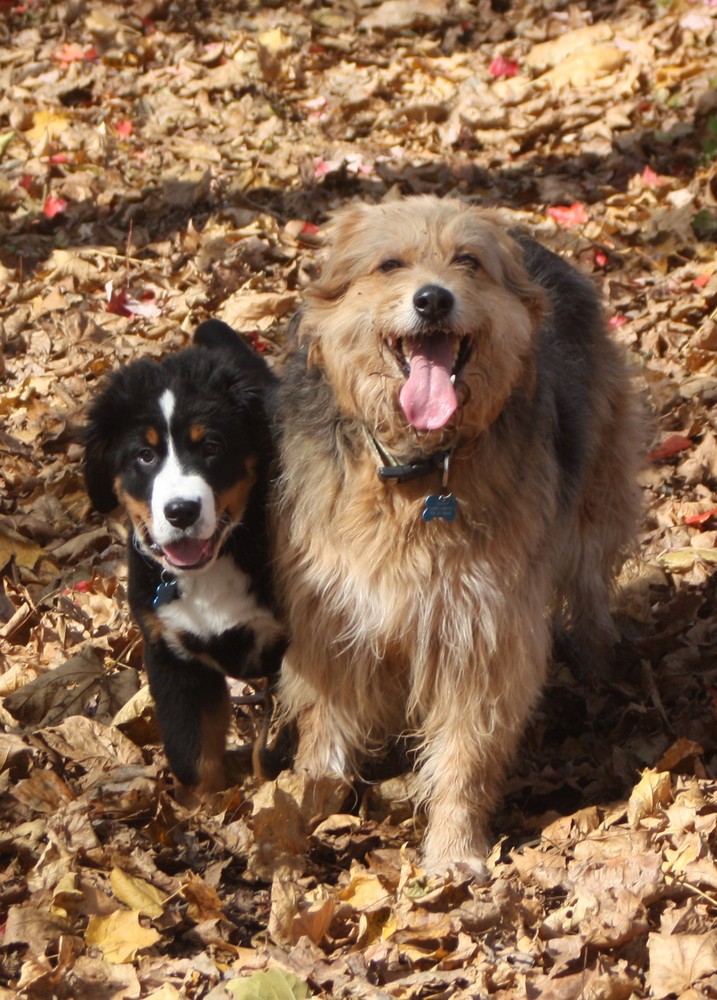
(166, 592)
(443, 507)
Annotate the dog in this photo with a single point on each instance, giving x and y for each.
(184, 446)
(458, 447)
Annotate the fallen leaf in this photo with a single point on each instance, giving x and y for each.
(653, 790)
(120, 936)
(569, 216)
(54, 206)
(274, 984)
(679, 961)
(670, 447)
(137, 893)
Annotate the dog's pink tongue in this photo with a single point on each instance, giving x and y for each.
(187, 552)
(428, 398)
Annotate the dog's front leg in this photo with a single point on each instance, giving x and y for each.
(460, 779)
(323, 750)
(194, 713)
(326, 721)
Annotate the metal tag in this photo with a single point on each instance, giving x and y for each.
(166, 592)
(444, 507)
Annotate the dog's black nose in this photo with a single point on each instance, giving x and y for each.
(182, 513)
(433, 302)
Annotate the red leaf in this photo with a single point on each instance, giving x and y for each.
(257, 341)
(502, 67)
(701, 281)
(53, 206)
(670, 447)
(651, 179)
(698, 519)
(124, 128)
(600, 258)
(569, 216)
(308, 229)
(58, 159)
(616, 321)
(117, 303)
(70, 53)
(324, 167)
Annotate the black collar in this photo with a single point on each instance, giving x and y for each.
(419, 467)
(390, 471)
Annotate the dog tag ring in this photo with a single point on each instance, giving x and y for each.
(443, 507)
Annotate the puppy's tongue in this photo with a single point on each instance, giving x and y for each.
(188, 552)
(427, 397)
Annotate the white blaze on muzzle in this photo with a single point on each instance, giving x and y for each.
(183, 546)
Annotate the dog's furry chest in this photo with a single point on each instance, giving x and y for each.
(217, 605)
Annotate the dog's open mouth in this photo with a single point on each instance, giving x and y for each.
(188, 553)
(431, 364)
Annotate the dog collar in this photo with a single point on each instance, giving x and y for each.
(390, 471)
(166, 592)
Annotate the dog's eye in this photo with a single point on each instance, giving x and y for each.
(210, 449)
(392, 264)
(467, 260)
(145, 456)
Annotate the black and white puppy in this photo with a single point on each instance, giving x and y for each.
(184, 446)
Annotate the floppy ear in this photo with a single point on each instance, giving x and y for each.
(214, 335)
(99, 439)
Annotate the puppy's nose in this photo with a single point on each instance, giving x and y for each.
(433, 302)
(182, 513)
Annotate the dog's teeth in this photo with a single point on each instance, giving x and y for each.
(453, 379)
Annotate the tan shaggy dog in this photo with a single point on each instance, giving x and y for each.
(458, 453)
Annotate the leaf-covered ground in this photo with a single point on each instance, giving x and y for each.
(165, 161)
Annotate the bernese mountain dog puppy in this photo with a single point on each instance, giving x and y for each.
(184, 445)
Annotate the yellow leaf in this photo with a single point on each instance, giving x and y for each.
(274, 984)
(365, 892)
(26, 553)
(120, 936)
(275, 41)
(138, 894)
(165, 992)
(654, 789)
(684, 559)
(313, 919)
(47, 123)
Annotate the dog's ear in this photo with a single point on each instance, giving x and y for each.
(517, 279)
(346, 240)
(215, 335)
(105, 422)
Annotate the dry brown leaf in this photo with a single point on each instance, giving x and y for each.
(43, 791)
(553, 52)
(585, 67)
(679, 961)
(653, 790)
(91, 744)
(204, 901)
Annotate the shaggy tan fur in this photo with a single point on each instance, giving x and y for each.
(443, 628)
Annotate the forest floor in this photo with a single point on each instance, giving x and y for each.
(162, 162)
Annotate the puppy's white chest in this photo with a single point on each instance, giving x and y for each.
(213, 602)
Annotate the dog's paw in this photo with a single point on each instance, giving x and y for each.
(473, 866)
